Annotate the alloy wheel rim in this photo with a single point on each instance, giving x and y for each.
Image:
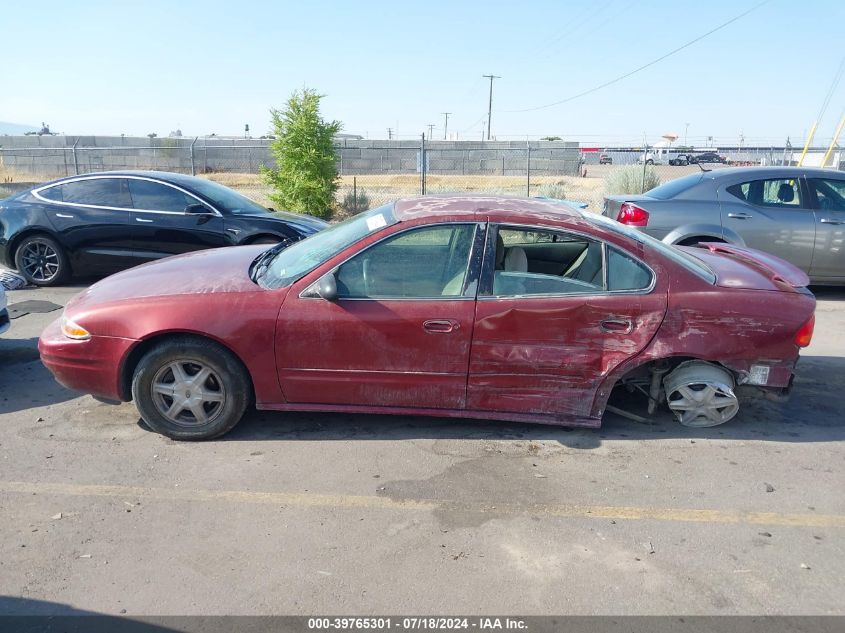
(188, 393)
(703, 404)
(40, 261)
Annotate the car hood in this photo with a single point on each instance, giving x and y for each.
(305, 224)
(211, 271)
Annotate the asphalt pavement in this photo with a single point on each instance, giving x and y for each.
(302, 513)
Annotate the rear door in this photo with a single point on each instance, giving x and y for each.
(773, 215)
(543, 343)
(161, 227)
(829, 257)
(92, 216)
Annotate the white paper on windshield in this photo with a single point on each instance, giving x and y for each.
(376, 222)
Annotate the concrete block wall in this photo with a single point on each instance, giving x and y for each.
(45, 157)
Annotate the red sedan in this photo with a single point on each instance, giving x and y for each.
(494, 308)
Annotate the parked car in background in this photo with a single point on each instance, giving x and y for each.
(792, 212)
(605, 159)
(480, 307)
(681, 160)
(104, 222)
(707, 157)
(5, 323)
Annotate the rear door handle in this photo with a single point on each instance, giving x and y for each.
(625, 326)
(831, 221)
(442, 326)
(143, 220)
(62, 215)
(740, 216)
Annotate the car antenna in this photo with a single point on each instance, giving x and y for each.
(702, 168)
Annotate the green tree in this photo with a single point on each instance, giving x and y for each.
(305, 179)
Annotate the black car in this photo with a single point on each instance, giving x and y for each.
(707, 157)
(104, 222)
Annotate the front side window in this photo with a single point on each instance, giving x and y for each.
(154, 196)
(98, 192)
(425, 262)
(830, 193)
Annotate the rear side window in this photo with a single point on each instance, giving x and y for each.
(774, 192)
(154, 196)
(99, 192)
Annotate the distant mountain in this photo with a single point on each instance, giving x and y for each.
(16, 128)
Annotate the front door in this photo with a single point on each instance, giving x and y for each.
(545, 340)
(161, 227)
(829, 255)
(397, 335)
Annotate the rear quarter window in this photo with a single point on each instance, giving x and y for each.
(674, 187)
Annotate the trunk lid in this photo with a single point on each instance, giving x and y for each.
(741, 267)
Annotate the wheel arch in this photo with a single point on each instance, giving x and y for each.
(703, 231)
(16, 240)
(137, 352)
(626, 370)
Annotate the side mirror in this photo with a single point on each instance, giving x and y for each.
(198, 209)
(324, 288)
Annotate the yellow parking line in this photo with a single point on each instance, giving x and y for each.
(296, 499)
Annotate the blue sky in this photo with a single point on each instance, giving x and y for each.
(111, 67)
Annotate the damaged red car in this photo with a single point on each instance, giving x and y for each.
(481, 307)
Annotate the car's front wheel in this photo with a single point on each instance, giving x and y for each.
(42, 261)
(190, 389)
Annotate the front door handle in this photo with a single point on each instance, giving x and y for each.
(143, 220)
(624, 326)
(831, 221)
(740, 216)
(441, 326)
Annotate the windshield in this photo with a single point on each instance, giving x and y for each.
(304, 256)
(681, 258)
(226, 200)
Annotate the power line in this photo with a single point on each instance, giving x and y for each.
(644, 66)
(832, 89)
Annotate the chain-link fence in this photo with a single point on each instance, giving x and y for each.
(375, 172)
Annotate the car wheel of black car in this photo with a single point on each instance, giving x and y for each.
(42, 261)
(189, 389)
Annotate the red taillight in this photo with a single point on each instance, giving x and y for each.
(805, 334)
(632, 215)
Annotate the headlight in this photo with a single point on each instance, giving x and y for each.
(74, 330)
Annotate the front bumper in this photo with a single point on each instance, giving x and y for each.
(91, 366)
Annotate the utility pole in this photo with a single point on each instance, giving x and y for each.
(446, 124)
(430, 130)
(686, 135)
(490, 103)
(390, 134)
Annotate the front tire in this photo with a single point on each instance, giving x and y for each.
(189, 389)
(41, 261)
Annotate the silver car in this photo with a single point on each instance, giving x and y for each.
(795, 213)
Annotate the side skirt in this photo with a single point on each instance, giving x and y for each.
(573, 421)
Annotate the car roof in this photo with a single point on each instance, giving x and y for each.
(510, 208)
(157, 175)
(774, 171)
